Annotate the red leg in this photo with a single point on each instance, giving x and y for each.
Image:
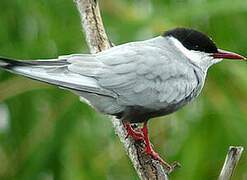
(132, 133)
(149, 150)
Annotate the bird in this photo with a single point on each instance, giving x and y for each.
(135, 81)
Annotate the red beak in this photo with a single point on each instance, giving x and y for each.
(227, 55)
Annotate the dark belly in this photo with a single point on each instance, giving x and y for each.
(138, 114)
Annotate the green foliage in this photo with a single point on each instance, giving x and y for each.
(46, 133)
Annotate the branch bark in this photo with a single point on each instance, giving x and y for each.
(230, 163)
(146, 167)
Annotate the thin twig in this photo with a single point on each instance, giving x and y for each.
(230, 163)
(146, 167)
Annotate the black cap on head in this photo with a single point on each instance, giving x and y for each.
(193, 40)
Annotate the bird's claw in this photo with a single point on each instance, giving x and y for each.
(153, 154)
(135, 135)
(169, 168)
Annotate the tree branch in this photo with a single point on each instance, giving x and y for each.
(230, 163)
(92, 25)
(146, 167)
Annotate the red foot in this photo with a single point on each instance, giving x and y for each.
(136, 135)
(149, 150)
(156, 156)
(130, 132)
(138, 129)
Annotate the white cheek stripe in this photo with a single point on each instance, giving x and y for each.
(189, 53)
(201, 59)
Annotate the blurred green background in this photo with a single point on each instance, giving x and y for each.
(47, 134)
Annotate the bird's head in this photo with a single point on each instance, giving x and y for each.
(198, 47)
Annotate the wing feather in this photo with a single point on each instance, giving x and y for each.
(140, 74)
(142, 79)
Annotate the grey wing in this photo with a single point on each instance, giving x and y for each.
(139, 79)
(153, 86)
(61, 72)
(55, 71)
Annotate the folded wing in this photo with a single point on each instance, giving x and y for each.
(141, 74)
(55, 71)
